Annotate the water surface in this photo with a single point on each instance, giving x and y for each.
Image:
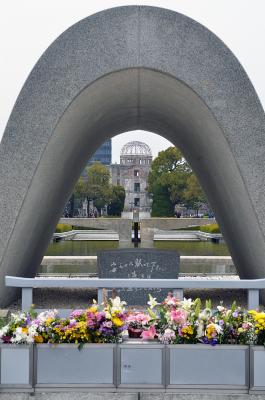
(90, 248)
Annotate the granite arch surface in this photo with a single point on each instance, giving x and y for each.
(127, 68)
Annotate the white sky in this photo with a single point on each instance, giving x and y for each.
(28, 27)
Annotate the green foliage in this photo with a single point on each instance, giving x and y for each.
(171, 180)
(210, 228)
(190, 228)
(63, 228)
(197, 307)
(95, 185)
(3, 322)
(116, 204)
(162, 206)
(169, 170)
(85, 228)
(193, 194)
(208, 304)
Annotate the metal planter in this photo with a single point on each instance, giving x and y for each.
(132, 366)
(257, 369)
(141, 366)
(62, 366)
(16, 368)
(203, 367)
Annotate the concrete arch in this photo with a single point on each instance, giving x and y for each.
(122, 69)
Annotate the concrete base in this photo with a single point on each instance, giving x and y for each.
(127, 396)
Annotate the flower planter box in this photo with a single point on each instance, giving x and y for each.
(63, 365)
(16, 368)
(141, 366)
(257, 369)
(132, 366)
(218, 368)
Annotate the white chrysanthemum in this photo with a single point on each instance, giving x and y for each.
(20, 337)
(49, 314)
(32, 330)
(200, 329)
(17, 318)
(3, 331)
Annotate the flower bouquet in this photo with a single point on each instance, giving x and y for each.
(96, 324)
(137, 323)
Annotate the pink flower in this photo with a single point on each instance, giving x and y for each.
(139, 318)
(178, 316)
(171, 300)
(149, 334)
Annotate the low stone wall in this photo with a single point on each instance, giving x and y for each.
(75, 395)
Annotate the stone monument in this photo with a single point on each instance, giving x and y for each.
(134, 263)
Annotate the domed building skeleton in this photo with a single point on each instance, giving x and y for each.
(132, 174)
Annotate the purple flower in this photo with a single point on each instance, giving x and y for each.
(100, 316)
(235, 314)
(90, 323)
(76, 313)
(106, 331)
(221, 322)
(212, 342)
(107, 324)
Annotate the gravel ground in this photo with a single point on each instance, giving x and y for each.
(80, 298)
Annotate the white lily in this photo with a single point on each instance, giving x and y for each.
(117, 304)
(186, 304)
(152, 302)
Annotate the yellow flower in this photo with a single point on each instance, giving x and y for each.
(186, 331)
(81, 325)
(92, 309)
(117, 321)
(210, 330)
(38, 339)
(24, 330)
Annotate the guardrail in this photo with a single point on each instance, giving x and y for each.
(253, 286)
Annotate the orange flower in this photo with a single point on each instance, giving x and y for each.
(38, 339)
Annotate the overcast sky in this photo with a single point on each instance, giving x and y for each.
(28, 27)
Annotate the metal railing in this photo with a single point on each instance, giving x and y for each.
(253, 286)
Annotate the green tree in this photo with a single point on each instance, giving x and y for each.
(116, 204)
(167, 181)
(162, 205)
(194, 196)
(95, 185)
(172, 181)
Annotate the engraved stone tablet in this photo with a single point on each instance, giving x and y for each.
(139, 264)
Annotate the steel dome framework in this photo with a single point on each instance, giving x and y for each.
(136, 148)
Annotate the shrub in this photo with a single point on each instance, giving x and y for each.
(63, 228)
(211, 228)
